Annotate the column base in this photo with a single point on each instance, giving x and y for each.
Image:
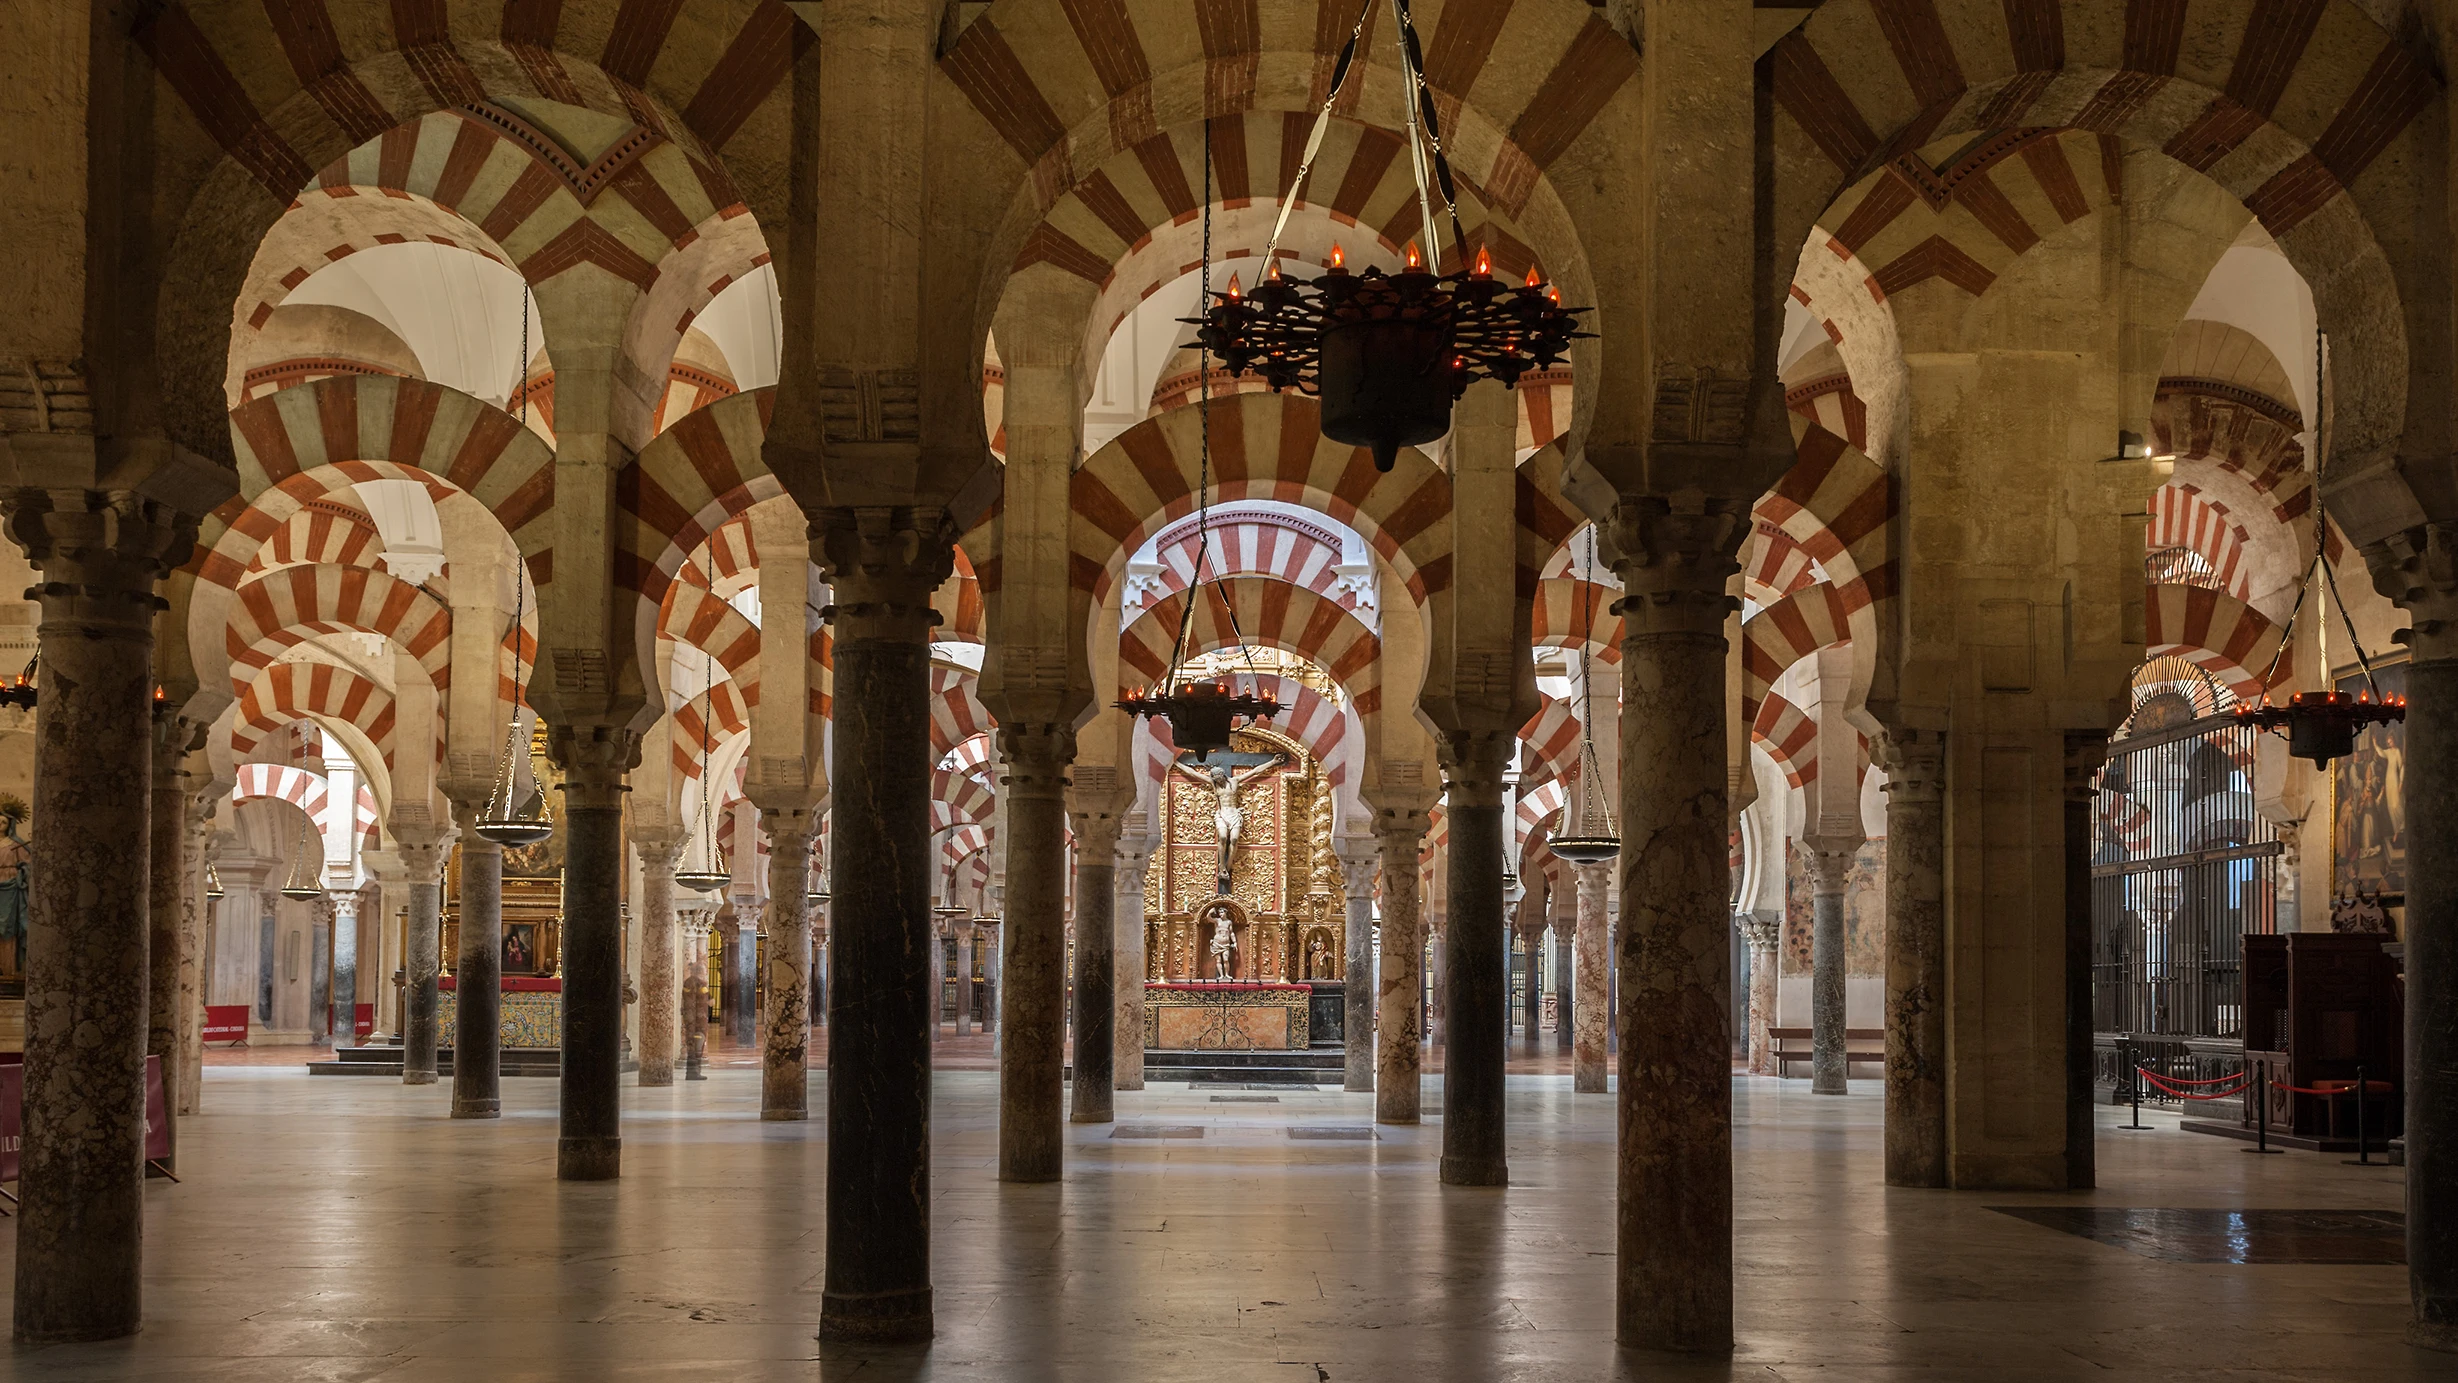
(1030, 1176)
(1581, 1083)
(656, 1078)
(781, 1116)
(1822, 1086)
(477, 1109)
(77, 1334)
(1475, 1171)
(1359, 1085)
(418, 1078)
(1092, 1116)
(877, 1317)
(588, 1159)
(2440, 1335)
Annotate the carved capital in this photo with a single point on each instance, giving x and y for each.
(2417, 568)
(1761, 930)
(594, 759)
(1675, 556)
(883, 562)
(1474, 763)
(790, 830)
(1830, 861)
(1915, 763)
(101, 553)
(660, 848)
(1033, 759)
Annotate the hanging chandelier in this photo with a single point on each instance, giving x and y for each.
(1589, 846)
(1388, 354)
(503, 822)
(2322, 725)
(213, 881)
(21, 693)
(303, 884)
(1203, 710)
(711, 875)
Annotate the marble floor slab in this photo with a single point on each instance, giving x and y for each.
(343, 1230)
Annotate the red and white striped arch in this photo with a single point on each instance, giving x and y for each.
(308, 792)
(2215, 631)
(2183, 516)
(283, 608)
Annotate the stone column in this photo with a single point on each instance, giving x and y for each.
(2084, 753)
(1134, 857)
(196, 952)
(785, 1052)
(421, 850)
(1476, 963)
(1761, 933)
(1915, 764)
(1532, 1005)
(167, 880)
(1565, 998)
(477, 971)
(738, 1018)
(882, 563)
(1592, 975)
(659, 851)
(694, 926)
(80, 1228)
(594, 760)
(1032, 1034)
(994, 976)
(962, 935)
(342, 1003)
(1673, 1267)
(2432, 943)
(1096, 963)
(1830, 861)
(1400, 991)
(1358, 857)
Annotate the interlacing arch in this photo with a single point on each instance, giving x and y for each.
(332, 696)
(283, 608)
(2216, 631)
(956, 712)
(722, 712)
(1789, 737)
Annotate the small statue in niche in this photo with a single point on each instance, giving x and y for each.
(1318, 962)
(1222, 943)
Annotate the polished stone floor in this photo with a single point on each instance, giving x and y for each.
(344, 1229)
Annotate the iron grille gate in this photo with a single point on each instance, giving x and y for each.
(2182, 868)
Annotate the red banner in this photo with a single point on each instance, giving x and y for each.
(13, 1104)
(364, 1019)
(226, 1023)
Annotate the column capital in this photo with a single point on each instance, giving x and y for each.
(2417, 568)
(784, 826)
(1035, 758)
(1914, 760)
(660, 847)
(102, 551)
(1830, 860)
(1474, 763)
(883, 562)
(422, 852)
(594, 760)
(1761, 930)
(1360, 857)
(1675, 556)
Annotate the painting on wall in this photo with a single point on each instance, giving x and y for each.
(1864, 911)
(2368, 800)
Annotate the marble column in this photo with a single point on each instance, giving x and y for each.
(342, 1002)
(994, 976)
(1592, 976)
(1915, 764)
(1830, 862)
(1476, 963)
(1761, 932)
(594, 760)
(1090, 1098)
(659, 851)
(694, 926)
(421, 850)
(962, 935)
(1032, 1034)
(1399, 1055)
(2431, 937)
(1532, 1004)
(1565, 987)
(1358, 858)
(2084, 753)
(196, 957)
(80, 1227)
(167, 879)
(738, 1015)
(785, 1051)
(1134, 858)
(477, 971)
(1674, 1259)
(882, 564)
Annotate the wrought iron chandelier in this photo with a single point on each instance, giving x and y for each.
(711, 876)
(213, 881)
(2323, 725)
(1203, 711)
(503, 822)
(1388, 354)
(304, 884)
(1589, 846)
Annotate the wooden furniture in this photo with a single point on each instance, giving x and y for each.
(2317, 1006)
(1862, 1046)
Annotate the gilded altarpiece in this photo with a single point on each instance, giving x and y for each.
(1287, 917)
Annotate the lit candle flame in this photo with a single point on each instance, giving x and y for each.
(1485, 262)
(1233, 287)
(1533, 278)
(1415, 258)
(1272, 270)
(1338, 260)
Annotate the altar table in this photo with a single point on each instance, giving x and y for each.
(1225, 1017)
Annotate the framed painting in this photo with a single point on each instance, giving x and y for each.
(2368, 799)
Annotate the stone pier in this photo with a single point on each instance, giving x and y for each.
(882, 564)
(594, 760)
(1592, 968)
(80, 1227)
(1134, 857)
(421, 849)
(167, 879)
(477, 971)
(1090, 1096)
(1032, 1034)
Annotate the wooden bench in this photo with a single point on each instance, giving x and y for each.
(1862, 1046)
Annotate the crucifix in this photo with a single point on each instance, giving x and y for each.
(1228, 818)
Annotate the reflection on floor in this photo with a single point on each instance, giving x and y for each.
(339, 1230)
(2232, 1236)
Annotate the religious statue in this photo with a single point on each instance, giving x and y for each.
(1222, 926)
(1228, 818)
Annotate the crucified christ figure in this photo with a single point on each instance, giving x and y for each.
(1228, 818)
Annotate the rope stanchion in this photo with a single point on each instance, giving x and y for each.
(2169, 1089)
(2364, 1141)
(2261, 1117)
(2134, 1080)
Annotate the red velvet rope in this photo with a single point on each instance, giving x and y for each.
(2167, 1089)
(2179, 1080)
